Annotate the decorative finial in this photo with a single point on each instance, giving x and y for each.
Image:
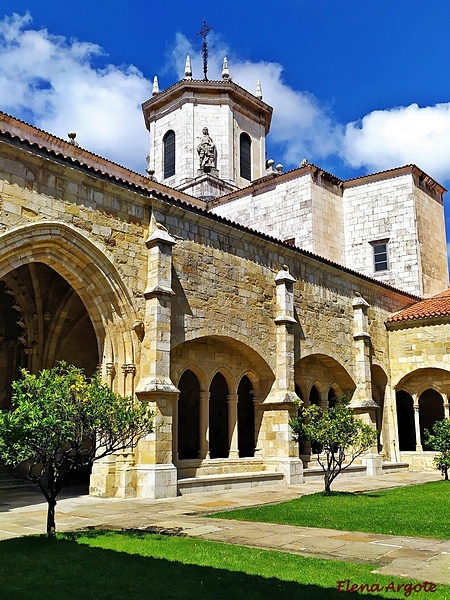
(279, 168)
(150, 172)
(155, 89)
(304, 162)
(225, 71)
(259, 90)
(72, 135)
(204, 33)
(188, 68)
(269, 166)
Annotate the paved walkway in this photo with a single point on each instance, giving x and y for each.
(23, 513)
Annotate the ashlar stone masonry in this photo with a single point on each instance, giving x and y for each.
(222, 302)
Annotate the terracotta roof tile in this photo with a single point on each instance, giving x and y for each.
(438, 306)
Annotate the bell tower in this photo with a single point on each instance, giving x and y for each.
(207, 138)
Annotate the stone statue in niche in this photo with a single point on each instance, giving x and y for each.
(206, 152)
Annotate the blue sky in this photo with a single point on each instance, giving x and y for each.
(356, 86)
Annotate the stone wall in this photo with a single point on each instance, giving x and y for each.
(432, 243)
(397, 210)
(418, 345)
(169, 287)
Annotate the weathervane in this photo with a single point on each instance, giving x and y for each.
(204, 33)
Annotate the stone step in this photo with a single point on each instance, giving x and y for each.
(395, 467)
(9, 482)
(311, 473)
(227, 481)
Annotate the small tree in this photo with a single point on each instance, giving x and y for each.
(439, 440)
(336, 435)
(62, 421)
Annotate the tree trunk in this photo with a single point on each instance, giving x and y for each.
(327, 483)
(446, 474)
(51, 527)
(51, 501)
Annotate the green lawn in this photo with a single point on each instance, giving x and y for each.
(419, 510)
(124, 565)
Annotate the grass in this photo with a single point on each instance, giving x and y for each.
(122, 565)
(420, 511)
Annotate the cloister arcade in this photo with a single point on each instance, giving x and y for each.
(221, 383)
(421, 401)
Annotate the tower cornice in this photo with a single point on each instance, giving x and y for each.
(191, 90)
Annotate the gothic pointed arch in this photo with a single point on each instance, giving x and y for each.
(325, 373)
(86, 269)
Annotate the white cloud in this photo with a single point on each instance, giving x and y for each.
(52, 83)
(402, 135)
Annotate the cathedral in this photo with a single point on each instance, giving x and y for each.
(224, 291)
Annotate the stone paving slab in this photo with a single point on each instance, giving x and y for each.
(363, 550)
(412, 553)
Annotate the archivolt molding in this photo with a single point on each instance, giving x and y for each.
(420, 380)
(201, 377)
(84, 266)
(232, 358)
(325, 369)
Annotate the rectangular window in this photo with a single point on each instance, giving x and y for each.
(380, 256)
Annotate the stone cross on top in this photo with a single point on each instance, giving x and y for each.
(204, 33)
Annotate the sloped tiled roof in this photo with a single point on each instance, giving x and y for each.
(437, 306)
(36, 140)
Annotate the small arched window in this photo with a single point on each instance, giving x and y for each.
(169, 154)
(245, 156)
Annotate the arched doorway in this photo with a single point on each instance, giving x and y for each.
(405, 421)
(43, 321)
(218, 417)
(431, 410)
(246, 419)
(188, 416)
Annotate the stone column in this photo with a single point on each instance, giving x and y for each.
(204, 425)
(362, 402)
(110, 373)
(129, 371)
(281, 405)
(390, 426)
(233, 426)
(156, 473)
(446, 406)
(417, 423)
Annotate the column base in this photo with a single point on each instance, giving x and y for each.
(373, 464)
(156, 481)
(292, 469)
